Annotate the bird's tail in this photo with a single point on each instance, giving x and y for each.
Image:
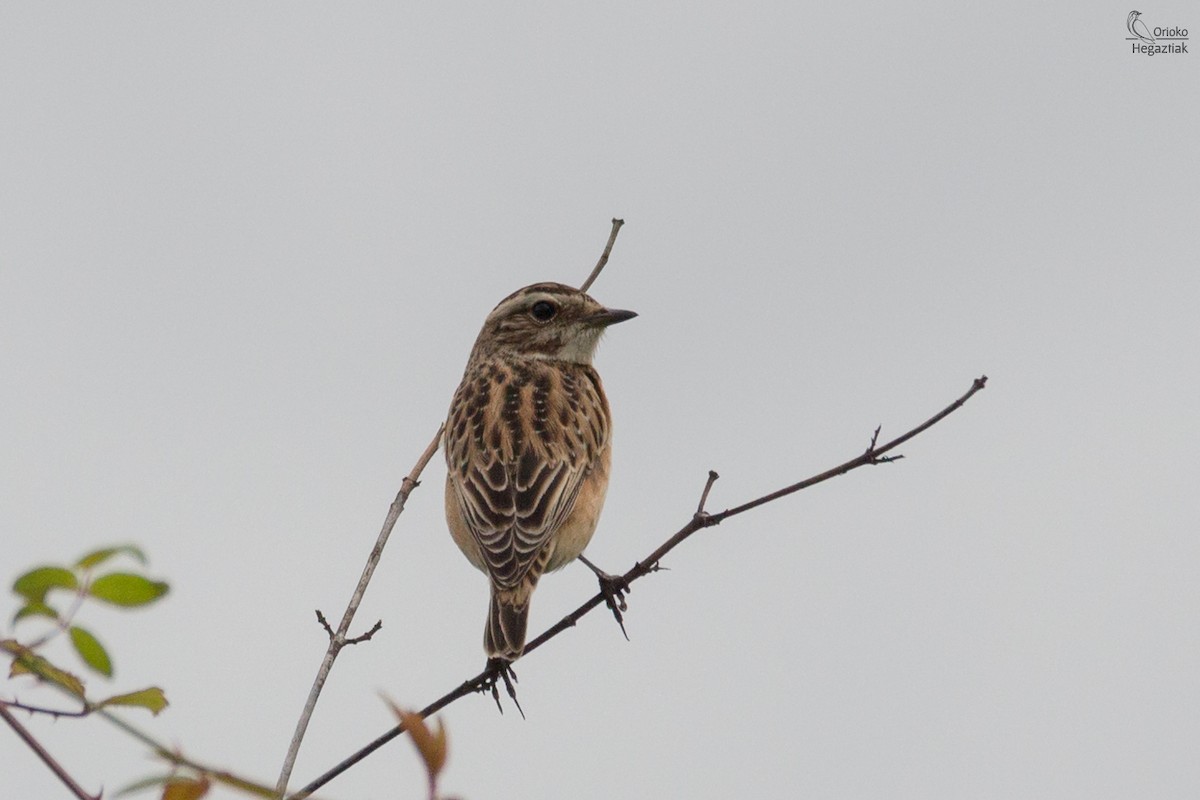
(508, 617)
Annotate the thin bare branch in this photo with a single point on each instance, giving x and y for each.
(484, 681)
(366, 637)
(871, 456)
(326, 626)
(612, 237)
(41, 752)
(339, 639)
(712, 478)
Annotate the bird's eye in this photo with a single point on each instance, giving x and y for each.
(543, 311)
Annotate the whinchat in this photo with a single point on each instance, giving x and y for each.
(528, 448)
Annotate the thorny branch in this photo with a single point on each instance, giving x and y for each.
(485, 681)
(53, 713)
(47, 759)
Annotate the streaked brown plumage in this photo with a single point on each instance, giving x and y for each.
(527, 448)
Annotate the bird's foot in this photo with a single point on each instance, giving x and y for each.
(614, 589)
(497, 671)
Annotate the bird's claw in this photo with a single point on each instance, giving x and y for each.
(614, 589)
(500, 670)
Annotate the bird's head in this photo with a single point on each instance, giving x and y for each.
(546, 320)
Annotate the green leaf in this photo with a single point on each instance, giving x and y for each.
(152, 699)
(91, 651)
(27, 662)
(97, 557)
(34, 585)
(35, 610)
(126, 589)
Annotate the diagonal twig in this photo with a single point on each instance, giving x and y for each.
(712, 478)
(47, 759)
(874, 454)
(339, 639)
(612, 237)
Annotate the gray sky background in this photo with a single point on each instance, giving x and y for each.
(244, 252)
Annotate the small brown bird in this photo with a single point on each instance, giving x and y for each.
(528, 448)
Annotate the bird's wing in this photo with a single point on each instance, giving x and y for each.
(512, 508)
(516, 474)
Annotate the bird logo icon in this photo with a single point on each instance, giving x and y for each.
(1138, 28)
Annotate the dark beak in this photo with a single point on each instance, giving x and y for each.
(610, 316)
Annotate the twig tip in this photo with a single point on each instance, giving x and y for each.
(712, 478)
(612, 238)
(325, 624)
